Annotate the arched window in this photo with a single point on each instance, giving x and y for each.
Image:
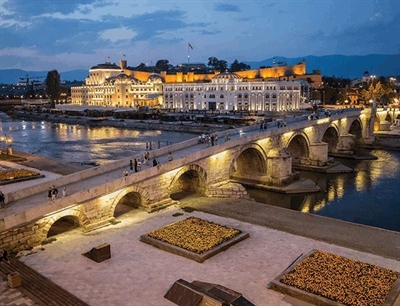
(221, 96)
(239, 96)
(267, 96)
(274, 96)
(246, 96)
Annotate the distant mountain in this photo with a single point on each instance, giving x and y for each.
(351, 67)
(12, 76)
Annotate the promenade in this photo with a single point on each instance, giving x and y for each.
(138, 274)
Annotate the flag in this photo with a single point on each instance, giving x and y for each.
(123, 55)
(190, 46)
(108, 57)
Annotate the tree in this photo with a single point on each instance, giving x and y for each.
(374, 91)
(53, 87)
(163, 65)
(141, 67)
(236, 66)
(217, 64)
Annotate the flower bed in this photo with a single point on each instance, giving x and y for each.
(194, 234)
(194, 238)
(15, 174)
(341, 279)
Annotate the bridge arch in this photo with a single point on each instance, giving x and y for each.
(133, 196)
(191, 178)
(331, 137)
(299, 147)
(250, 159)
(356, 128)
(64, 222)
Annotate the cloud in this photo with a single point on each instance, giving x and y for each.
(224, 7)
(114, 35)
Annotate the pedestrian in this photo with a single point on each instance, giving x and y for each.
(130, 165)
(261, 127)
(147, 158)
(207, 141)
(54, 193)
(50, 194)
(64, 192)
(4, 256)
(2, 199)
(215, 139)
(265, 126)
(212, 140)
(139, 165)
(284, 123)
(135, 164)
(125, 172)
(170, 158)
(155, 162)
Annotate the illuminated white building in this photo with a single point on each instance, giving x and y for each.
(116, 86)
(228, 92)
(109, 85)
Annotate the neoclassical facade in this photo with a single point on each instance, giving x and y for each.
(111, 85)
(228, 92)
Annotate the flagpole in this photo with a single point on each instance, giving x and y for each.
(188, 56)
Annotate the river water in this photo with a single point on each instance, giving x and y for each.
(370, 195)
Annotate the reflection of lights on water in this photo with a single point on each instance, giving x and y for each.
(360, 181)
(319, 205)
(331, 192)
(340, 187)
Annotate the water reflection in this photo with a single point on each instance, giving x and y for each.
(368, 196)
(78, 143)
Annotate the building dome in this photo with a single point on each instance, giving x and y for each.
(155, 78)
(106, 66)
(226, 77)
(123, 78)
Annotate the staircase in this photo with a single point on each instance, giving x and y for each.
(39, 288)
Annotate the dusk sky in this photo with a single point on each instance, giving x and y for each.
(78, 34)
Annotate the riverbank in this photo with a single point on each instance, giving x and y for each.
(184, 126)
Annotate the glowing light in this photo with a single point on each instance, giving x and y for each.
(323, 120)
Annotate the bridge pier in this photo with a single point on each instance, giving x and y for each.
(279, 168)
(318, 154)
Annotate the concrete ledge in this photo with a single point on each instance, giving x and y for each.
(275, 284)
(191, 255)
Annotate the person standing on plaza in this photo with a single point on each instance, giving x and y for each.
(261, 126)
(170, 158)
(4, 256)
(130, 165)
(2, 199)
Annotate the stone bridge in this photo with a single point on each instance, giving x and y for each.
(241, 156)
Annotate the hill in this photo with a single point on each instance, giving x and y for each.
(351, 67)
(12, 76)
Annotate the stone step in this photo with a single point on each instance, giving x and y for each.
(41, 289)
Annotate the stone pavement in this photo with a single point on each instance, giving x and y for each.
(138, 274)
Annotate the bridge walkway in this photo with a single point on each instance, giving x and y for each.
(21, 205)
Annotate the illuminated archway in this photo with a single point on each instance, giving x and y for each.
(249, 162)
(129, 202)
(331, 137)
(356, 129)
(62, 225)
(377, 123)
(191, 179)
(298, 148)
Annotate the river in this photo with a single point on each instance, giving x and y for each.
(370, 195)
